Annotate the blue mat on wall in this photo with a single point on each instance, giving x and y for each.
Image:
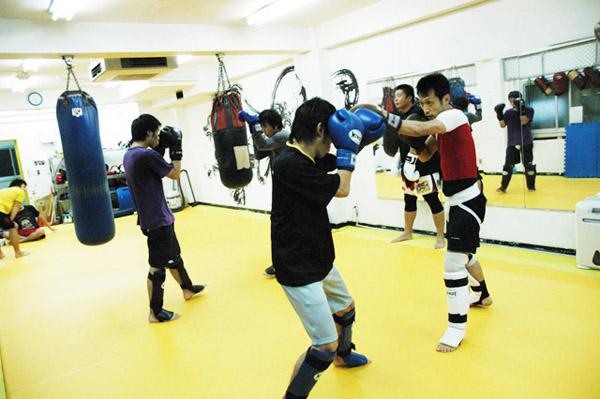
(582, 150)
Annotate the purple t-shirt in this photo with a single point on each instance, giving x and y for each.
(513, 127)
(145, 169)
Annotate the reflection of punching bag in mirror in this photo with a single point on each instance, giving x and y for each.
(346, 82)
(77, 118)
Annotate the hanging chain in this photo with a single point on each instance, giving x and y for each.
(69, 63)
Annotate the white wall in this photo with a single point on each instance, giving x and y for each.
(38, 139)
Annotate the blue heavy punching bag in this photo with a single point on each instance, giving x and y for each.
(77, 117)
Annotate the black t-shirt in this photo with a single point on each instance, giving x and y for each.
(27, 218)
(301, 242)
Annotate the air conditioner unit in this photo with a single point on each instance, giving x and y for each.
(106, 69)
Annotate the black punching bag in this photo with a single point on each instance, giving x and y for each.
(229, 133)
(77, 117)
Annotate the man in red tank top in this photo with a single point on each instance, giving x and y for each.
(450, 136)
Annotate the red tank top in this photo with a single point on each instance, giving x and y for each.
(456, 147)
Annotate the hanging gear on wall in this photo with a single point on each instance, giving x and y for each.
(91, 205)
(457, 89)
(561, 83)
(543, 85)
(387, 101)
(576, 77)
(229, 133)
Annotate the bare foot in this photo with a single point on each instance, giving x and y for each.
(501, 190)
(485, 302)
(444, 348)
(440, 243)
(403, 237)
(20, 254)
(189, 294)
(152, 318)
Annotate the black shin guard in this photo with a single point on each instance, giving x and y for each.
(315, 362)
(506, 176)
(345, 344)
(482, 287)
(186, 282)
(156, 301)
(530, 173)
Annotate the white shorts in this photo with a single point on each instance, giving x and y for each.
(316, 302)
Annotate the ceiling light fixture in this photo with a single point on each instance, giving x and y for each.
(274, 10)
(32, 64)
(184, 58)
(20, 82)
(63, 9)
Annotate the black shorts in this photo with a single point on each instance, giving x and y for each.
(162, 246)
(462, 228)
(513, 155)
(5, 222)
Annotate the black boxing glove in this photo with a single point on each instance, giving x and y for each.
(520, 106)
(500, 111)
(160, 148)
(172, 138)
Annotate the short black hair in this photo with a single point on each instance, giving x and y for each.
(461, 103)
(308, 116)
(141, 125)
(515, 94)
(407, 89)
(436, 82)
(17, 183)
(272, 118)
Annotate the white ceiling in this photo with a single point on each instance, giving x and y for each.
(210, 12)
(52, 74)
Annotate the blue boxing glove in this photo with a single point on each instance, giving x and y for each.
(345, 130)
(252, 121)
(476, 101)
(375, 126)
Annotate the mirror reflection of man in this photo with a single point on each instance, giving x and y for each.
(419, 178)
(519, 143)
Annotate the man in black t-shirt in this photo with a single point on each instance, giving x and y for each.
(519, 141)
(301, 242)
(419, 178)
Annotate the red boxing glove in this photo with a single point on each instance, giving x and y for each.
(561, 83)
(592, 75)
(542, 84)
(577, 78)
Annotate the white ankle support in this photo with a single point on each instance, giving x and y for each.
(452, 337)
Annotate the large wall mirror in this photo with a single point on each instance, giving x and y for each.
(562, 87)
(489, 145)
(546, 153)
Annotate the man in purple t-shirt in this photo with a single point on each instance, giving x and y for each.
(519, 143)
(145, 167)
